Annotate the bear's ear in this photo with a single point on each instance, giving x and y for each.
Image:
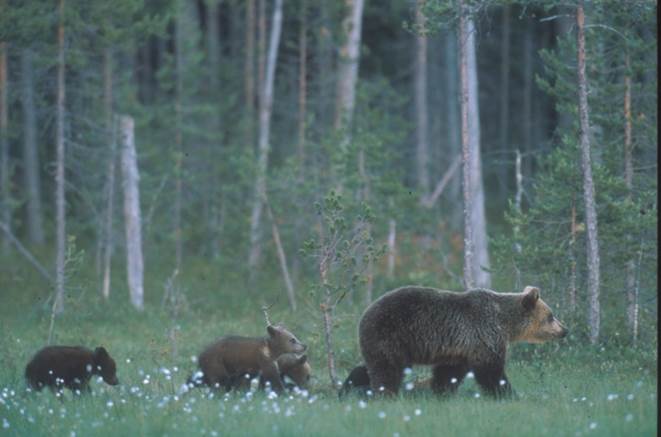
(302, 359)
(100, 353)
(273, 331)
(530, 297)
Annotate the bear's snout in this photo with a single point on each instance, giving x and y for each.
(112, 381)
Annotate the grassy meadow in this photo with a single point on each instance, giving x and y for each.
(566, 388)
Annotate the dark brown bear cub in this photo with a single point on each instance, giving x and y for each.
(69, 366)
(453, 332)
(231, 357)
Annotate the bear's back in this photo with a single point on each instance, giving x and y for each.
(418, 325)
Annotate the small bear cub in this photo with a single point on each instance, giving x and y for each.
(70, 367)
(232, 356)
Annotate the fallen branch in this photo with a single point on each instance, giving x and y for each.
(291, 294)
(25, 252)
(430, 200)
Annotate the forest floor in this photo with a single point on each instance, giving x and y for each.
(564, 388)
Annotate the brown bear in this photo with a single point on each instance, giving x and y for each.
(297, 368)
(455, 332)
(69, 366)
(232, 356)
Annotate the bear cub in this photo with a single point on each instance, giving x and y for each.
(231, 357)
(453, 332)
(291, 366)
(70, 367)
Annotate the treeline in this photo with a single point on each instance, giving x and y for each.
(430, 141)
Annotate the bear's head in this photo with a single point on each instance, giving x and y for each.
(282, 341)
(538, 324)
(295, 367)
(105, 366)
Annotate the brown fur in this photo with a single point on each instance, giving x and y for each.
(69, 366)
(231, 357)
(295, 367)
(453, 332)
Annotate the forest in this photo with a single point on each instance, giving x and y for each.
(173, 171)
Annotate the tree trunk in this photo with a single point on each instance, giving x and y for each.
(32, 177)
(60, 224)
(348, 66)
(261, 45)
(504, 98)
(265, 109)
(453, 121)
(110, 180)
(526, 125)
(630, 267)
(132, 214)
(249, 69)
(588, 185)
(517, 208)
(476, 256)
(213, 46)
(392, 248)
(5, 180)
(302, 85)
(421, 107)
(572, 259)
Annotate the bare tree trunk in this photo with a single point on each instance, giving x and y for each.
(132, 214)
(430, 200)
(265, 110)
(213, 46)
(327, 314)
(4, 145)
(630, 280)
(421, 114)
(392, 248)
(302, 85)
(572, 259)
(348, 65)
(261, 45)
(504, 96)
(291, 293)
(110, 180)
(453, 121)
(32, 178)
(249, 68)
(60, 231)
(476, 256)
(588, 185)
(26, 253)
(526, 125)
(517, 208)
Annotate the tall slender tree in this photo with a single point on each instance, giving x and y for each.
(265, 111)
(588, 184)
(4, 143)
(60, 214)
(421, 107)
(31, 174)
(476, 255)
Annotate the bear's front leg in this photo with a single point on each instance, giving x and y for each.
(493, 380)
(271, 373)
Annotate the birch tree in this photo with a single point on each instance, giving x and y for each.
(60, 217)
(588, 185)
(31, 174)
(4, 144)
(132, 214)
(476, 256)
(265, 110)
(110, 178)
(421, 117)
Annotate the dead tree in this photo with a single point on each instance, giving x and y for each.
(132, 214)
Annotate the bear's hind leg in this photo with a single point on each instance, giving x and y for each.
(385, 379)
(493, 381)
(446, 378)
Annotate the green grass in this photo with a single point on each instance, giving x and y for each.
(565, 388)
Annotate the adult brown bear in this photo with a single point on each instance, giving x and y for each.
(453, 332)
